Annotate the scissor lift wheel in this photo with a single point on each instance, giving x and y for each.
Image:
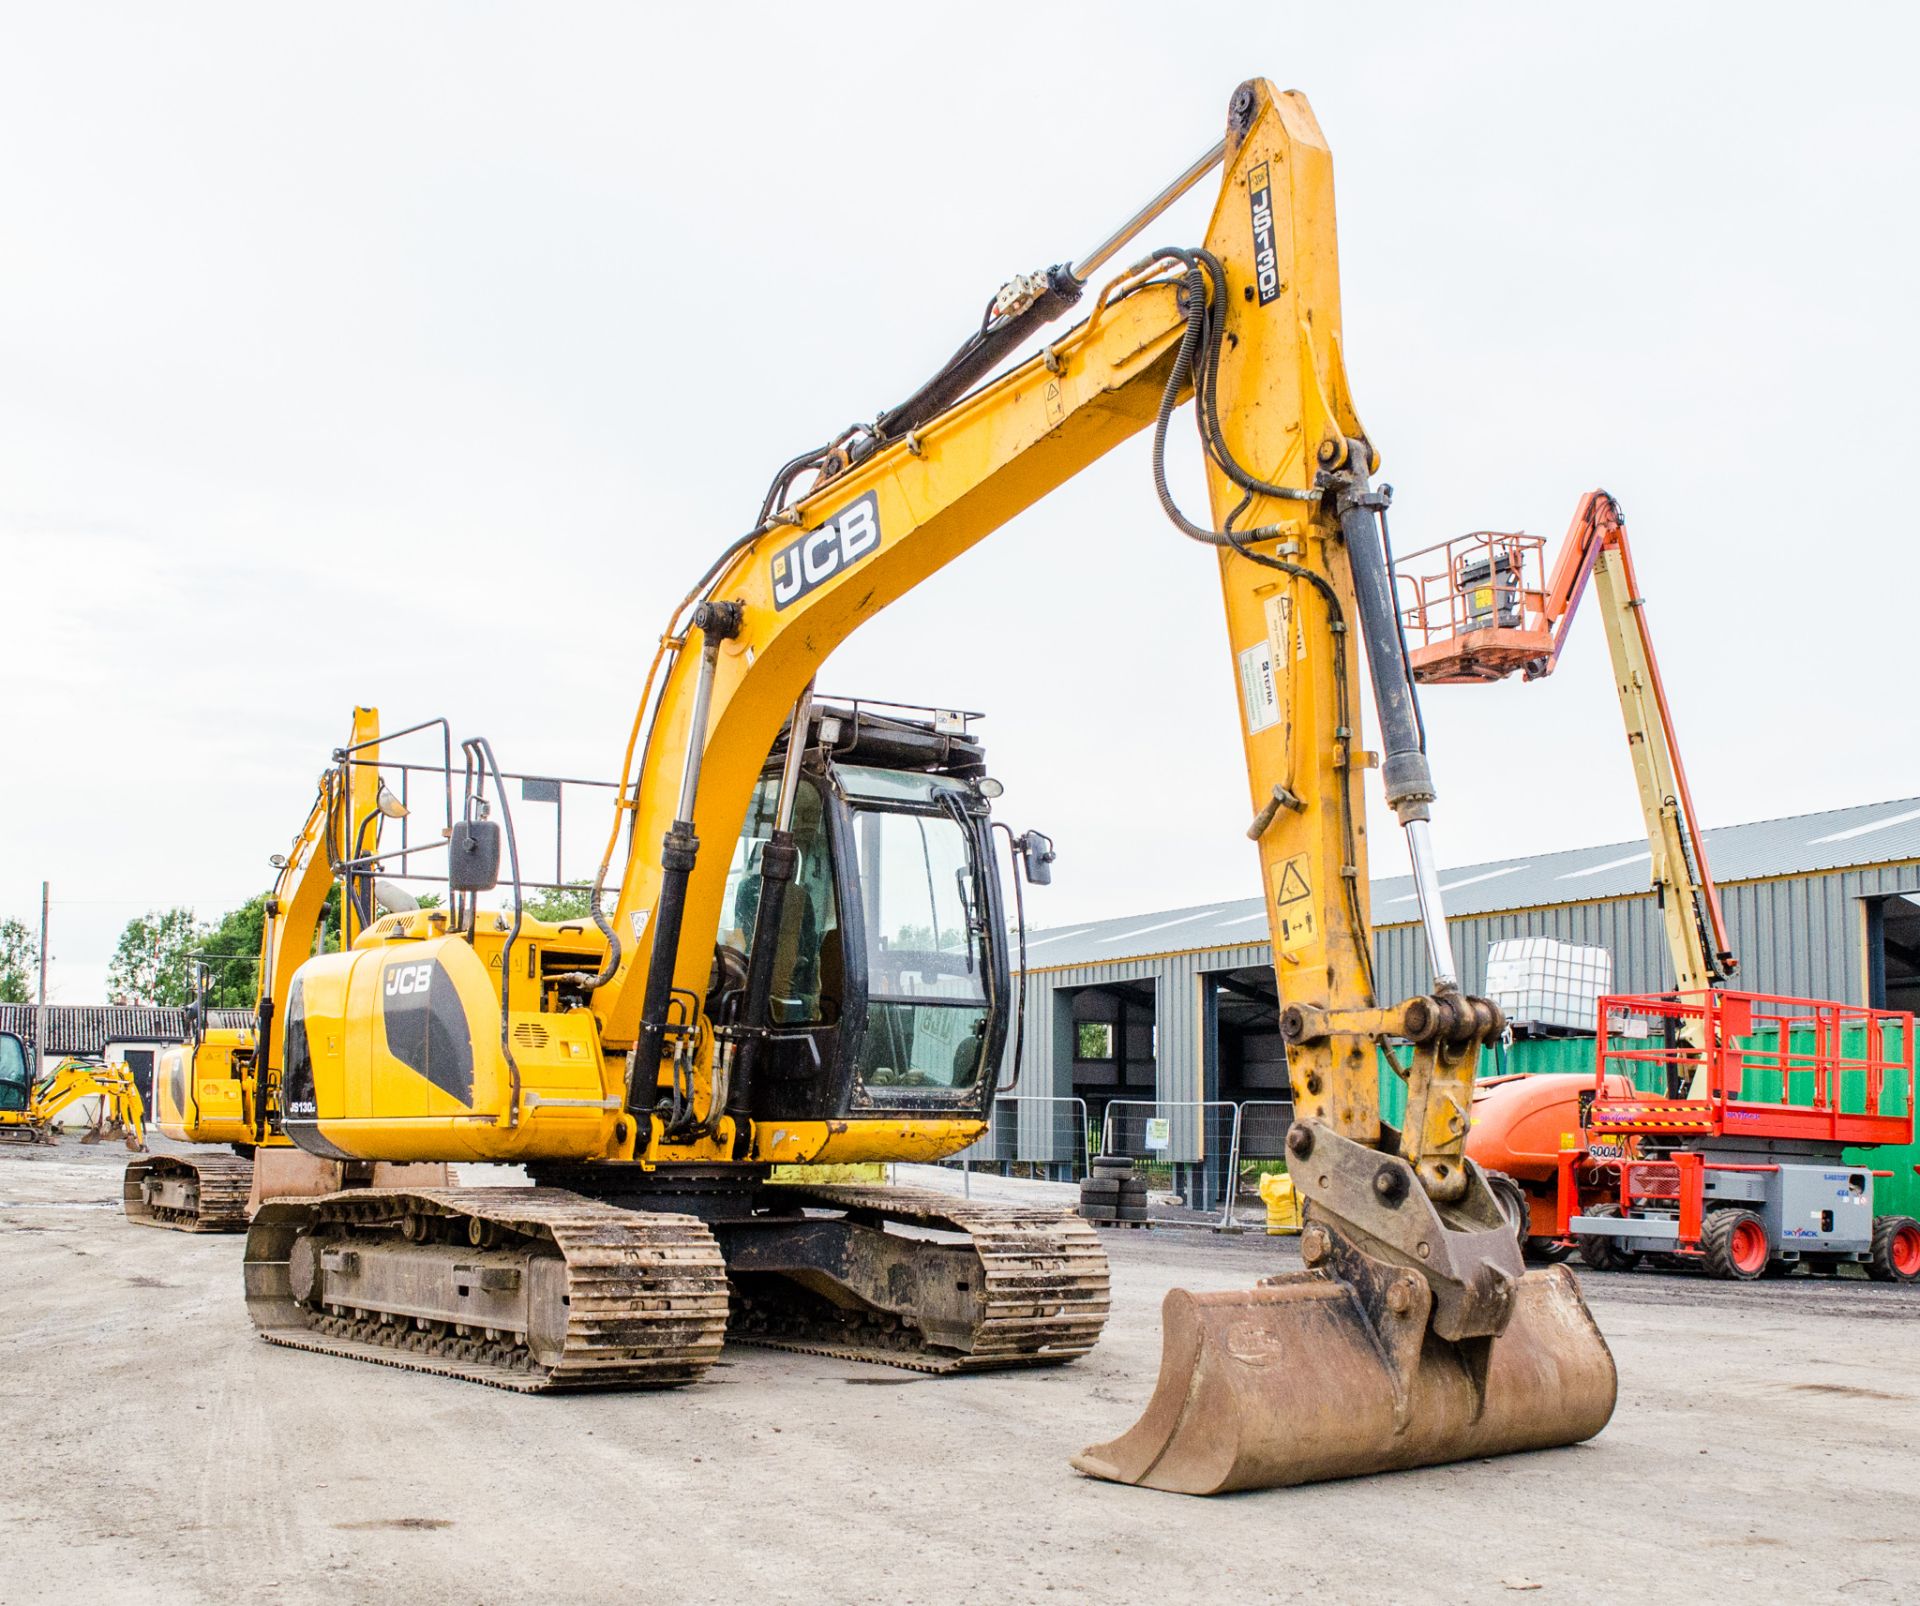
(1734, 1244)
(1896, 1250)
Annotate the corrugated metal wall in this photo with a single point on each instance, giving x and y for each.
(1803, 935)
(1179, 1049)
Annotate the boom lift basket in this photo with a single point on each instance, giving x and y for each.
(1474, 608)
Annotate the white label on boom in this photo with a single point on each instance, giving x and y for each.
(1257, 690)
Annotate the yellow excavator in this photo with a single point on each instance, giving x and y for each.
(29, 1108)
(807, 954)
(210, 1090)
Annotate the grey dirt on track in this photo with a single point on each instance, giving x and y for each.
(156, 1451)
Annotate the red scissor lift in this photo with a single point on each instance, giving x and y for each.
(1731, 1155)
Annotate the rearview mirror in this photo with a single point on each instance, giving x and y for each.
(1036, 858)
(473, 856)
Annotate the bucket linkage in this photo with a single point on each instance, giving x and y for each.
(1415, 1335)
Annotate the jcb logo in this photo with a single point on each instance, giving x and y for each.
(814, 559)
(405, 979)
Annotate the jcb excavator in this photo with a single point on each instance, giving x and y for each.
(211, 1090)
(807, 954)
(29, 1108)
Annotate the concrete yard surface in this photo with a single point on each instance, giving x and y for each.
(157, 1451)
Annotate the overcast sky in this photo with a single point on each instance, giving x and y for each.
(423, 355)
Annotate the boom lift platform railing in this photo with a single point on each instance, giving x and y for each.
(1475, 608)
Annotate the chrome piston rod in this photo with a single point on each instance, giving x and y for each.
(1433, 913)
(1404, 767)
(1084, 268)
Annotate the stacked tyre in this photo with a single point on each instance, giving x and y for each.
(1114, 1194)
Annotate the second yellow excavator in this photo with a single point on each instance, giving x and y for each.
(221, 1087)
(807, 959)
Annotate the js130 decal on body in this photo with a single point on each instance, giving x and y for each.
(811, 560)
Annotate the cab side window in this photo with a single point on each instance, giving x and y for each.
(14, 1088)
(808, 976)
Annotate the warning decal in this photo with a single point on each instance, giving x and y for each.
(1293, 906)
(1056, 409)
(1257, 689)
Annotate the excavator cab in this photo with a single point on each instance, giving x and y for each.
(16, 1082)
(886, 967)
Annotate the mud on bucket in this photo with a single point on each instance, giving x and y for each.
(1291, 1383)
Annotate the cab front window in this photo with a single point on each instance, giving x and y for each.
(927, 977)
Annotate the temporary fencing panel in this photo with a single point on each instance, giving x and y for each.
(1193, 1139)
(1034, 1130)
(1261, 1136)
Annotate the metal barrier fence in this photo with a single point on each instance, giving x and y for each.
(1196, 1140)
(1034, 1130)
(1211, 1150)
(1261, 1134)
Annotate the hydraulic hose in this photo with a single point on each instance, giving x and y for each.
(1202, 341)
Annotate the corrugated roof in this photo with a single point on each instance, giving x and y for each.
(1836, 839)
(88, 1028)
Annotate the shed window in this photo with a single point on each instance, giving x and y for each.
(1093, 1040)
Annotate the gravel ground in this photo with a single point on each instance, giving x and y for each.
(158, 1452)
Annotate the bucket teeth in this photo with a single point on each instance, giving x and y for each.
(1293, 1382)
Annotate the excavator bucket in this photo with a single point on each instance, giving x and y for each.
(1294, 1381)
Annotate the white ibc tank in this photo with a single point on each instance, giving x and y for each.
(1539, 981)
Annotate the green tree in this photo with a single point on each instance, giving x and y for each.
(231, 952)
(19, 963)
(153, 963)
(574, 901)
(327, 938)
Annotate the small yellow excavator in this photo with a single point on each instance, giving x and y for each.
(209, 1090)
(807, 956)
(29, 1109)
